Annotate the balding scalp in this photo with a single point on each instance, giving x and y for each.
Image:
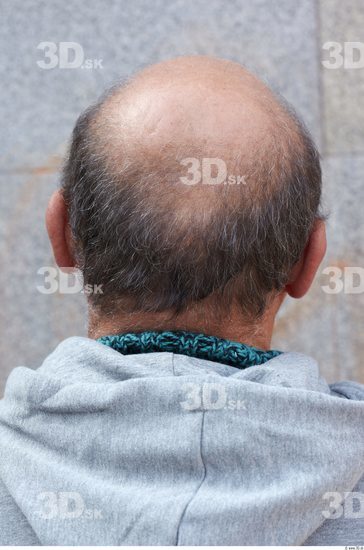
(156, 241)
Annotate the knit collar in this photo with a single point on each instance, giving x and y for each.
(192, 344)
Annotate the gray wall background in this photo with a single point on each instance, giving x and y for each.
(279, 40)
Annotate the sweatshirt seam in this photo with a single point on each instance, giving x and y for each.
(173, 369)
(193, 496)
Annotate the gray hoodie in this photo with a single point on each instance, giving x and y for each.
(98, 448)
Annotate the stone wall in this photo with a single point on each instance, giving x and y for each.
(281, 41)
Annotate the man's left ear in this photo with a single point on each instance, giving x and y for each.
(59, 231)
(305, 270)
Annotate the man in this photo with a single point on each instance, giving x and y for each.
(191, 197)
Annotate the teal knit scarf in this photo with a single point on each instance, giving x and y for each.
(191, 344)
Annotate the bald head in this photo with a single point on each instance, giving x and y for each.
(190, 180)
(198, 107)
(195, 101)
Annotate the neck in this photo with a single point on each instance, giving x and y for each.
(232, 327)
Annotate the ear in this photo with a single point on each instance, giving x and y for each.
(59, 231)
(305, 270)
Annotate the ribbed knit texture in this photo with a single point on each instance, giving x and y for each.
(191, 344)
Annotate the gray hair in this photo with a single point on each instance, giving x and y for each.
(129, 238)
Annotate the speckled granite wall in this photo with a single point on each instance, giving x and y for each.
(280, 40)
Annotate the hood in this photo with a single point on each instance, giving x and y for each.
(159, 448)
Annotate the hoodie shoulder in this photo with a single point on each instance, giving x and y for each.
(348, 389)
(14, 527)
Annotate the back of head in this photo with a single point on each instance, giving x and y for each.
(152, 221)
